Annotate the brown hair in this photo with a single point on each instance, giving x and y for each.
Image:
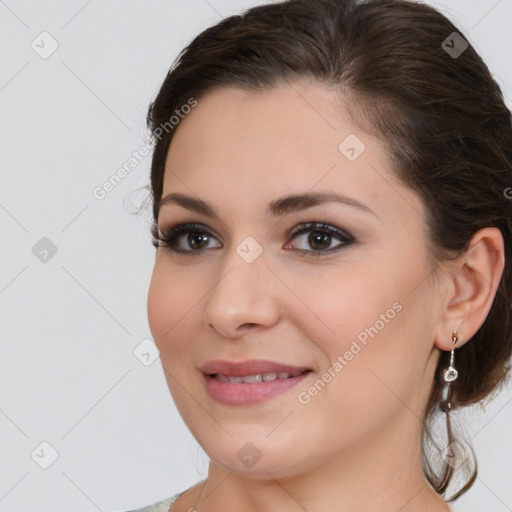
(431, 100)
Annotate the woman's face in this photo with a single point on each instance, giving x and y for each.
(352, 302)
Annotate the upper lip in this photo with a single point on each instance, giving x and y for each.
(249, 367)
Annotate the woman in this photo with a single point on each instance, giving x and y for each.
(333, 267)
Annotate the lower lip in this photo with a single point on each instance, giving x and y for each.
(249, 394)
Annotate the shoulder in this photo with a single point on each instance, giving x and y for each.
(159, 506)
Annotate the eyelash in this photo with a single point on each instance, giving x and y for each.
(170, 234)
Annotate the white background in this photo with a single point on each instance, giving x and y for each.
(68, 375)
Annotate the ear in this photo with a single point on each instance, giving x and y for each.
(472, 285)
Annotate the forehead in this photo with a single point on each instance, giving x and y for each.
(290, 139)
(226, 117)
(262, 133)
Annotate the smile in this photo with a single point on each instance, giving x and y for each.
(259, 377)
(247, 390)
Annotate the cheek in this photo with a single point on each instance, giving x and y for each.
(172, 297)
(362, 326)
(373, 366)
(160, 305)
(340, 305)
(171, 302)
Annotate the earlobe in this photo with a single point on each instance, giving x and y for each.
(475, 279)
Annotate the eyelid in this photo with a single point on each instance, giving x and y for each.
(177, 230)
(320, 226)
(169, 233)
(345, 238)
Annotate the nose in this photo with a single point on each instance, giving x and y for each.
(243, 297)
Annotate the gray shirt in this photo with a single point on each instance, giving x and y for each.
(163, 506)
(160, 506)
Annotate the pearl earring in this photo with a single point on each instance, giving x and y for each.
(449, 375)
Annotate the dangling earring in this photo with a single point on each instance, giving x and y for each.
(449, 375)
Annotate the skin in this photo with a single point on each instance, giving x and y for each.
(356, 445)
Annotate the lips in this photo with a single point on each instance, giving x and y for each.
(250, 382)
(250, 367)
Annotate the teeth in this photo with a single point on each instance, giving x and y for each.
(252, 378)
(259, 377)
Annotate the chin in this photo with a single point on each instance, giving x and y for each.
(256, 456)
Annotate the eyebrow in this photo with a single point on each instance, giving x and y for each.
(281, 206)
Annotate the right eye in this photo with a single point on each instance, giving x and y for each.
(172, 238)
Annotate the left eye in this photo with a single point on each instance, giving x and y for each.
(320, 237)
